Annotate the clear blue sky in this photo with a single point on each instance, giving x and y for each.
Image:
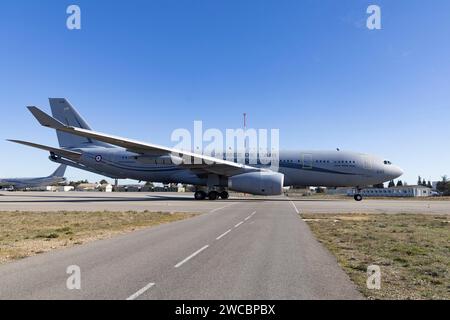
(311, 68)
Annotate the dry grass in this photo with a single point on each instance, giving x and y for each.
(325, 196)
(24, 234)
(413, 251)
(446, 198)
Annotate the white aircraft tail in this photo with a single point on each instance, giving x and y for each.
(63, 111)
(59, 173)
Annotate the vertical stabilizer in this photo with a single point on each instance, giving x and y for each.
(59, 172)
(63, 111)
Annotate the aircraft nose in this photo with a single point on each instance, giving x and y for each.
(395, 172)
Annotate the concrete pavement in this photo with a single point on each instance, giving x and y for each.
(172, 202)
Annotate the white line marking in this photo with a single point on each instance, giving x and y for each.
(217, 209)
(223, 235)
(137, 294)
(239, 224)
(295, 207)
(190, 257)
(250, 216)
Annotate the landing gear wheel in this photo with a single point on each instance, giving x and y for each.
(213, 195)
(224, 195)
(200, 195)
(358, 197)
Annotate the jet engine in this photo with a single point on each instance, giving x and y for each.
(260, 183)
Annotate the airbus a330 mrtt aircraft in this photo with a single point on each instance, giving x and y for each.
(24, 183)
(121, 158)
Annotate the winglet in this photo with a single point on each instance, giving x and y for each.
(46, 120)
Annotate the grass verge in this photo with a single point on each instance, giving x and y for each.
(24, 234)
(413, 251)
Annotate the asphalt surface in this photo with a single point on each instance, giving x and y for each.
(237, 249)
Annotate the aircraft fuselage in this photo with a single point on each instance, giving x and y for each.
(303, 168)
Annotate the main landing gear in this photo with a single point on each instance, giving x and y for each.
(212, 195)
(200, 195)
(224, 195)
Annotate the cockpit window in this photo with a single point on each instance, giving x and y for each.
(387, 162)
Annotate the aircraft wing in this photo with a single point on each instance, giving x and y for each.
(196, 162)
(60, 152)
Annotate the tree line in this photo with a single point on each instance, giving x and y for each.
(443, 186)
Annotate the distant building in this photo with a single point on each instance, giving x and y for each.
(131, 188)
(60, 188)
(298, 191)
(105, 187)
(86, 187)
(338, 191)
(405, 191)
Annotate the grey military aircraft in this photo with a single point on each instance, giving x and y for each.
(119, 158)
(26, 183)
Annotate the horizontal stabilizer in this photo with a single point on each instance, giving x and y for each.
(60, 152)
(44, 119)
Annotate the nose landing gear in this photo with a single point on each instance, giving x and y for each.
(358, 197)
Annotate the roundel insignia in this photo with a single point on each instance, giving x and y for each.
(98, 158)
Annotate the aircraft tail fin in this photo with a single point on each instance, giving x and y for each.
(59, 172)
(64, 112)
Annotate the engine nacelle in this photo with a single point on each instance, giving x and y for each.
(265, 183)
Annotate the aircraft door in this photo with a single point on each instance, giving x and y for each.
(307, 160)
(367, 162)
